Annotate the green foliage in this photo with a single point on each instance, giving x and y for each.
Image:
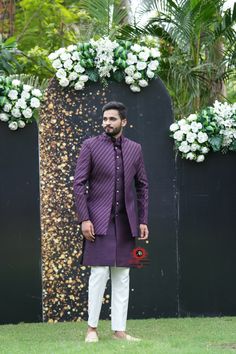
(8, 56)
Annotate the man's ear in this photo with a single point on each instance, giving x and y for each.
(124, 122)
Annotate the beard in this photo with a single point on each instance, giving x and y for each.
(113, 131)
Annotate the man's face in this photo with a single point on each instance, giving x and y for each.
(112, 123)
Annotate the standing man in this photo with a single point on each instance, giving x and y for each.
(109, 163)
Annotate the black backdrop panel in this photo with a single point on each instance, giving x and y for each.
(20, 258)
(207, 235)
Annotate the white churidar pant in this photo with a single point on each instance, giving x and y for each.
(119, 295)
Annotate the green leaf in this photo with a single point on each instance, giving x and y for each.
(93, 75)
(216, 142)
(118, 75)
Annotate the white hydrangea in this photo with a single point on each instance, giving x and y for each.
(73, 75)
(136, 48)
(15, 112)
(153, 65)
(4, 117)
(61, 73)
(135, 88)
(25, 95)
(7, 107)
(21, 103)
(143, 83)
(155, 53)
(36, 92)
(13, 94)
(131, 59)
(27, 113)
(68, 64)
(202, 137)
(200, 158)
(27, 88)
(192, 117)
(174, 127)
(16, 82)
(21, 123)
(178, 135)
(185, 128)
(141, 65)
(143, 56)
(130, 70)
(191, 137)
(150, 74)
(56, 64)
(79, 85)
(64, 82)
(137, 75)
(34, 102)
(13, 125)
(190, 156)
(129, 80)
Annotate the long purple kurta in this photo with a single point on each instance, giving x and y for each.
(114, 248)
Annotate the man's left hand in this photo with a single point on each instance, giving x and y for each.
(143, 232)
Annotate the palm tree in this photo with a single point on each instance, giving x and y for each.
(198, 45)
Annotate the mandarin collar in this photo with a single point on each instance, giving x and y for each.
(112, 139)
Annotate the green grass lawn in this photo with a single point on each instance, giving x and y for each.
(165, 336)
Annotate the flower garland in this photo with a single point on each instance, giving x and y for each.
(101, 59)
(214, 128)
(18, 102)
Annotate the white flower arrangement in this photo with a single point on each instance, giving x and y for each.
(18, 102)
(104, 59)
(214, 128)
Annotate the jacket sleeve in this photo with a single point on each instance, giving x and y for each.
(141, 185)
(81, 177)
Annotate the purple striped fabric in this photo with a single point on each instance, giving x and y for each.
(95, 167)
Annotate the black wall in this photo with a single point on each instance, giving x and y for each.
(192, 219)
(20, 256)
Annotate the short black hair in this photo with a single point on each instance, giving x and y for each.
(120, 107)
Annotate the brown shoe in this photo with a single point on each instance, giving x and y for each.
(127, 337)
(91, 337)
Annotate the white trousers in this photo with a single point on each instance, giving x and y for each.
(119, 295)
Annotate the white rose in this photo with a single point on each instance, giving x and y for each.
(21, 103)
(73, 75)
(25, 95)
(200, 158)
(132, 59)
(185, 128)
(153, 65)
(61, 50)
(191, 137)
(36, 92)
(141, 65)
(71, 47)
(78, 68)
(27, 88)
(75, 56)
(21, 124)
(56, 64)
(194, 147)
(68, 64)
(143, 56)
(135, 88)
(174, 127)
(13, 94)
(136, 48)
(53, 56)
(178, 135)
(195, 127)
(64, 82)
(13, 125)
(16, 82)
(155, 53)
(190, 156)
(15, 112)
(27, 113)
(79, 85)
(61, 73)
(137, 75)
(182, 122)
(192, 117)
(83, 78)
(34, 102)
(143, 83)
(130, 70)
(204, 150)
(202, 137)
(129, 80)
(4, 117)
(150, 74)
(7, 107)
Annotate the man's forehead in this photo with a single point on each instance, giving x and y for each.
(111, 113)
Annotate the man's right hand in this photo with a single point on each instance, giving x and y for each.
(88, 230)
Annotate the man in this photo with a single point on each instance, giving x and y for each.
(110, 163)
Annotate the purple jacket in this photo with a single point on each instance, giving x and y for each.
(96, 165)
